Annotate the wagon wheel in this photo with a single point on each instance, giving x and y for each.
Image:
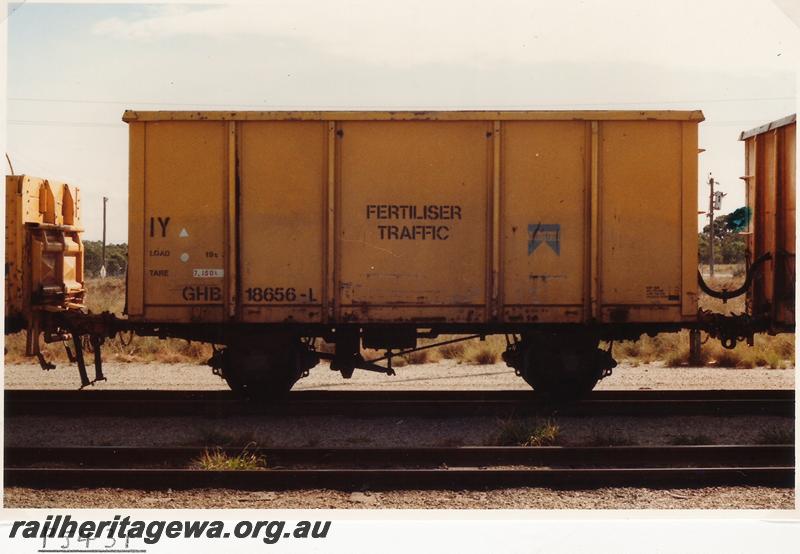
(264, 372)
(565, 370)
(271, 387)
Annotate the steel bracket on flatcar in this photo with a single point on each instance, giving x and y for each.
(79, 332)
(734, 328)
(730, 329)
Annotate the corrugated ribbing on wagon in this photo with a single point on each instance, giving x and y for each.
(771, 168)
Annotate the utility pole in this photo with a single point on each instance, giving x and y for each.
(103, 263)
(714, 203)
(710, 228)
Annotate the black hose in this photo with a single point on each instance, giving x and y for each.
(725, 294)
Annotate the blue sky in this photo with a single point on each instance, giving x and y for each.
(73, 69)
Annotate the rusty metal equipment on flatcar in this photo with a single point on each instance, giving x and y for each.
(44, 256)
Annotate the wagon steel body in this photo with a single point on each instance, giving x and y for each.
(771, 173)
(473, 219)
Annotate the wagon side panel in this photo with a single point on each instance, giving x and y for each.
(544, 191)
(770, 157)
(185, 221)
(282, 189)
(641, 212)
(412, 220)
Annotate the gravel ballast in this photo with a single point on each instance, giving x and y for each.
(335, 431)
(710, 498)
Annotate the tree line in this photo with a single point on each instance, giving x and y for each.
(729, 245)
(116, 258)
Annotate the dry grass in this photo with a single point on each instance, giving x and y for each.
(649, 349)
(105, 295)
(723, 269)
(219, 460)
(525, 432)
(733, 306)
(483, 352)
(427, 356)
(454, 351)
(140, 350)
(399, 361)
(773, 352)
(483, 355)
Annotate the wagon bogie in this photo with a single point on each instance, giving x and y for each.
(560, 364)
(263, 366)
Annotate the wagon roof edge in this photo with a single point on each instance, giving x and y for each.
(412, 115)
(782, 122)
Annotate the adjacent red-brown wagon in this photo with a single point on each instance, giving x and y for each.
(771, 173)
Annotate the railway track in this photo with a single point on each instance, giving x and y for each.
(137, 403)
(406, 468)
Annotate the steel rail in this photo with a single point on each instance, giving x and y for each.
(355, 457)
(64, 403)
(393, 479)
(314, 394)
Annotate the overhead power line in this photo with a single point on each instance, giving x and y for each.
(230, 104)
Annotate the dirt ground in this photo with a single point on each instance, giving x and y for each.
(443, 375)
(712, 498)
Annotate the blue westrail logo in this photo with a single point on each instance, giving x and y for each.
(548, 233)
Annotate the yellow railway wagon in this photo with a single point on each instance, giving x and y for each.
(421, 217)
(374, 229)
(771, 173)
